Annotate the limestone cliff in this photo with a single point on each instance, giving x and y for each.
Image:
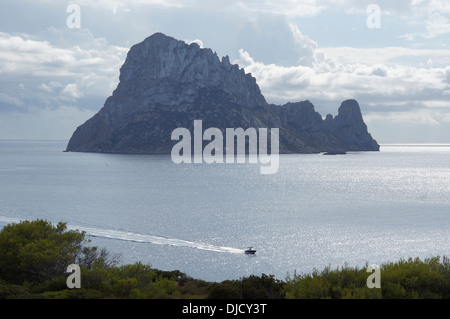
(166, 84)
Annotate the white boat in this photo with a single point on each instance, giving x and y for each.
(250, 251)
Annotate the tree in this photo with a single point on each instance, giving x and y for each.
(37, 250)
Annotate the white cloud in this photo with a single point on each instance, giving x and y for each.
(89, 69)
(199, 42)
(306, 47)
(64, 84)
(389, 55)
(381, 79)
(292, 8)
(115, 4)
(45, 87)
(11, 100)
(71, 90)
(20, 55)
(436, 25)
(432, 16)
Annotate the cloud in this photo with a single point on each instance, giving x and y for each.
(11, 100)
(436, 25)
(114, 4)
(72, 91)
(89, 71)
(305, 47)
(389, 82)
(432, 16)
(21, 54)
(389, 55)
(47, 89)
(292, 8)
(199, 42)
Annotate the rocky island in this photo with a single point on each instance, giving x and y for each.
(165, 84)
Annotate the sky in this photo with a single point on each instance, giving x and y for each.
(60, 60)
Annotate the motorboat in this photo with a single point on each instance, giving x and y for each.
(250, 251)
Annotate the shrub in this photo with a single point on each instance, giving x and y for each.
(37, 250)
(405, 279)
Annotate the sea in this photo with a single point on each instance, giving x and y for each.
(316, 211)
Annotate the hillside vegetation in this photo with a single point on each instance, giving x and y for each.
(34, 256)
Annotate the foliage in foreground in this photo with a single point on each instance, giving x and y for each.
(405, 279)
(35, 254)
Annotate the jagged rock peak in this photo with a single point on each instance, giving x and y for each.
(161, 57)
(350, 109)
(349, 126)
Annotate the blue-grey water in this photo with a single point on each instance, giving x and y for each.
(315, 211)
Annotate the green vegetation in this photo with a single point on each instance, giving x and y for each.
(405, 279)
(34, 256)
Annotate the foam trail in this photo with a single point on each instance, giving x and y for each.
(141, 238)
(152, 239)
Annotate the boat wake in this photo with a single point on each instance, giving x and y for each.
(140, 238)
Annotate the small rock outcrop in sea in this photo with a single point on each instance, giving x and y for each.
(166, 84)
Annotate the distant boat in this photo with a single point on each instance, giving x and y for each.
(250, 251)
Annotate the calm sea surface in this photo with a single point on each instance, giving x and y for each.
(198, 218)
